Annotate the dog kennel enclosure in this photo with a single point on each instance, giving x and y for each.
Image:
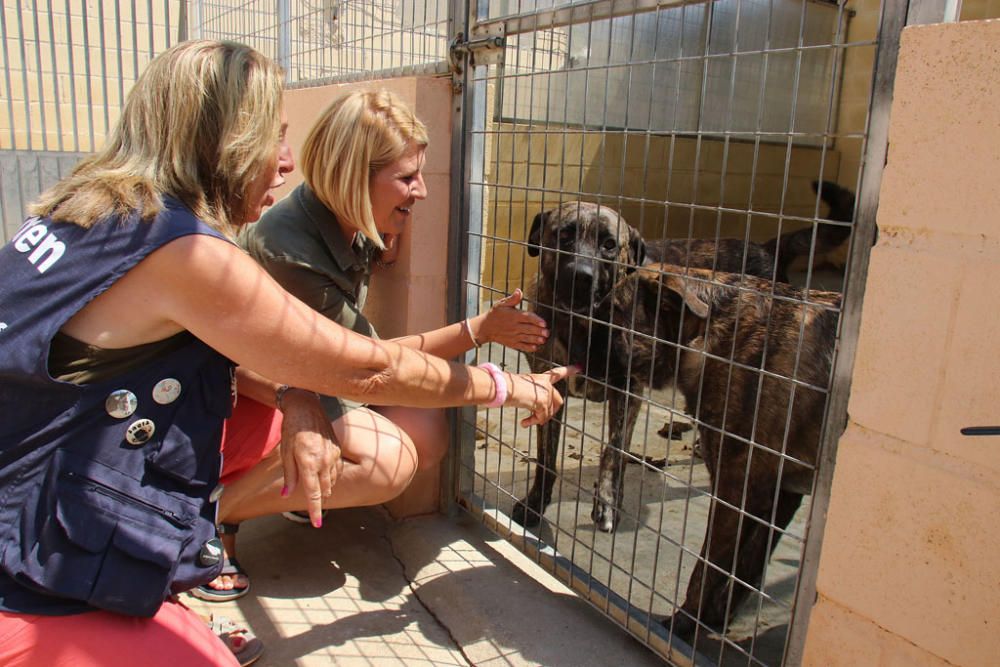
(693, 120)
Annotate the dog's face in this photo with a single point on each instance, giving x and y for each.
(583, 249)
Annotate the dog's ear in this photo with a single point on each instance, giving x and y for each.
(636, 248)
(694, 290)
(535, 235)
(696, 293)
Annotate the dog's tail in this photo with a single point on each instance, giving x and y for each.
(792, 246)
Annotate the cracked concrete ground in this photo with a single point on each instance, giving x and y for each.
(368, 590)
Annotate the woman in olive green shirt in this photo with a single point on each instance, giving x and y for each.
(362, 164)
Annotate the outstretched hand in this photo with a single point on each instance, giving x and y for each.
(505, 323)
(536, 392)
(309, 454)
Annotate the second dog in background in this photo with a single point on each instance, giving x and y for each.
(827, 244)
(752, 359)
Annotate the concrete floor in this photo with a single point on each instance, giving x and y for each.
(368, 590)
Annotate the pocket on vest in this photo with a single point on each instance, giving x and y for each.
(101, 537)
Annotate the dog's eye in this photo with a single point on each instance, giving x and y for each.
(609, 246)
(567, 236)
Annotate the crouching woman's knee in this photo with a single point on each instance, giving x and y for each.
(381, 455)
(428, 431)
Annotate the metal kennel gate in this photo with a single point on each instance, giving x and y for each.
(694, 120)
(703, 119)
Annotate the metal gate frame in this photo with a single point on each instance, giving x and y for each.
(465, 248)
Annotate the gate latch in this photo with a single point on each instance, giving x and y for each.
(484, 47)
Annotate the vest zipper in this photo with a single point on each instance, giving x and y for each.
(110, 492)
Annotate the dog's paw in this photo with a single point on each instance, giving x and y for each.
(525, 514)
(680, 625)
(683, 624)
(605, 516)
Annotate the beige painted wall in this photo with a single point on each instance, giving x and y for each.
(909, 570)
(411, 296)
(852, 114)
(974, 10)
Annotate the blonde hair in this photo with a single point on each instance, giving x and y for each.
(356, 136)
(200, 124)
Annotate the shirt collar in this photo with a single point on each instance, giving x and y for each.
(349, 257)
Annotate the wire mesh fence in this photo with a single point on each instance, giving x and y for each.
(674, 186)
(317, 40)
(68, 64)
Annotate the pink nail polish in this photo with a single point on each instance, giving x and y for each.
(319, 522)
(284, 491)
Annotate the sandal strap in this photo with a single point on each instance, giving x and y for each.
(231, 566)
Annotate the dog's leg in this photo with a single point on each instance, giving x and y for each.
(754, 548)
(623, 409)
(528, 511)
(707, 592)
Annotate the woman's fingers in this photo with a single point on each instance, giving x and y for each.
(513, 300)
(290, 469)
(560, 373)
(309, 455)
(538, 394)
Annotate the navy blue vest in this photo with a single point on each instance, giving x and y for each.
(104, 487)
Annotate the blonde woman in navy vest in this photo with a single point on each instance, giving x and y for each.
(130, 321)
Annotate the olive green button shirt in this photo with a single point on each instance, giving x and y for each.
(301, 244)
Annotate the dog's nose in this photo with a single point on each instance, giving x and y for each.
(580, 281)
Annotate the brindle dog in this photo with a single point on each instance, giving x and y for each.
(753, 361)
(585, 250)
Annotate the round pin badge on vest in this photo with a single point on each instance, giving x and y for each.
(139, 432)
(166, 391)
(211, 552)
(121, 403)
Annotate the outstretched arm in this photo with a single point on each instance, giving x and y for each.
(209, 287)
(212, 289)
(504, 323)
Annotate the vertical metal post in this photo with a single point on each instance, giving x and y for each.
(195, 18)
(468, 111)
(182, 22)
(284, 55)
(894, 17)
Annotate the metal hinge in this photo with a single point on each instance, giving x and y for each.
(485, 46)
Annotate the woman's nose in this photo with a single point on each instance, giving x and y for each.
(419, 190)
(286, 161)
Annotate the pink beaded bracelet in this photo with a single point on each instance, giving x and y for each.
(499, 383)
